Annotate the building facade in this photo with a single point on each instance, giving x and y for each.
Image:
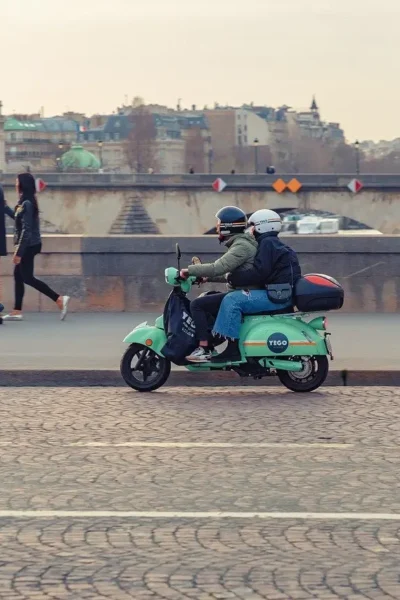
(311, 124)
(2, 141)
(37, 143)
(140, 137)
(138, 142)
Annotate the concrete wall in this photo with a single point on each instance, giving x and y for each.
(94, 204)
(100, 211)
(127, 273)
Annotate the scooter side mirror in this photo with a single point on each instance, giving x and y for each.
(196, 260)
(178, 255)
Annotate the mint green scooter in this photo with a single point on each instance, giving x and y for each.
(288, 345)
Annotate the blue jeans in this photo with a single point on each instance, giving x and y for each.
(237, 303)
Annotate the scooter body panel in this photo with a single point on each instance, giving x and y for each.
(148, 335)
(279, 337)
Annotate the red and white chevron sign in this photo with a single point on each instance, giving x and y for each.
(40, 185)
(219, 185)
(355, 186)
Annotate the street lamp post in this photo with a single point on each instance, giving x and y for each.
(210, 160)
(60, 153)
(357, 147)
(100, 145)
(256, 142)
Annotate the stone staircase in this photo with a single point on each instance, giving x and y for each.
(133, 219)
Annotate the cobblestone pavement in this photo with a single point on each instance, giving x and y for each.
(179, 452)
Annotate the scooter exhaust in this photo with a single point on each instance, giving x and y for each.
(282, 365)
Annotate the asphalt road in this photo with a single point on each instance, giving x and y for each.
(199, 494)
(94, 341)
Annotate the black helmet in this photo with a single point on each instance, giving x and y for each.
(231, 220)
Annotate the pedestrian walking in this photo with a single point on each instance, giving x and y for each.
(4, 210)
(27, 245)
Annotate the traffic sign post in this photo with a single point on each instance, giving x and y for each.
(293, 186)
(219, 185)
(355, 186)
(40, 185)
(279, 186)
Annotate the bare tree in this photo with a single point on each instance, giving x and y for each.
(195, 150)
(389, 163)
(248, 159)
(306, 155)
(140, 146)
(344, 158)
(223, 158)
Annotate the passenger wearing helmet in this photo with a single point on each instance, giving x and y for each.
(275, 263)
(241, 250)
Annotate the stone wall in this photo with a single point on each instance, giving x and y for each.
(126, 273)
(96, 204)
(102, 211)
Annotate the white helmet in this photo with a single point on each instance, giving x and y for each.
(265, 221)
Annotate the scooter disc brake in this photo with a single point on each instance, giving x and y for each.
(305, 372)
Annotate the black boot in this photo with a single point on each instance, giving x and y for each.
(230, 354)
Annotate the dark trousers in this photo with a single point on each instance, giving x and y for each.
(23, 274)
(200, 308)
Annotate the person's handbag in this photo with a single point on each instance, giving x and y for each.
(279, 293)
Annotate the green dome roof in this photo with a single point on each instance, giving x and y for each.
(80, 159)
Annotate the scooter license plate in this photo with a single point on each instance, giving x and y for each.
(329, 346)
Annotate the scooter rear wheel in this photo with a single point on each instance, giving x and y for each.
(315, 372)
(144, 370)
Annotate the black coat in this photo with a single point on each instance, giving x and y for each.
(275, 262)
(4, 209)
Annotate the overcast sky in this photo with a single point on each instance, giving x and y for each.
(87, 55)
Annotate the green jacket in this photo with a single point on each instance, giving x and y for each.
(242, 249)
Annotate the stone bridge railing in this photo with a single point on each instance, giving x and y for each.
(196, 181)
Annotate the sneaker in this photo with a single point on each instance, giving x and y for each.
(13, 318)
(200, 355)
(230, 354)
(64, 310)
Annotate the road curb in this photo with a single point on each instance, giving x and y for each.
(111, 378)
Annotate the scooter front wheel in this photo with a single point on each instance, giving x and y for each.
(313, 375)
(144, 370)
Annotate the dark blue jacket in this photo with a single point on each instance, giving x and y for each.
(275, 262)
(4, 210)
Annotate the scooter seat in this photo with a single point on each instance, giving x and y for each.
(279, 311)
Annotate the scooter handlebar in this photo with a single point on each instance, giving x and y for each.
(172, 277)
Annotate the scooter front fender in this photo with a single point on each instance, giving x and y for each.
(149, 336)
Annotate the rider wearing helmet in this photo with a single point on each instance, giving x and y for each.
(241, 250)
(275, 263)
